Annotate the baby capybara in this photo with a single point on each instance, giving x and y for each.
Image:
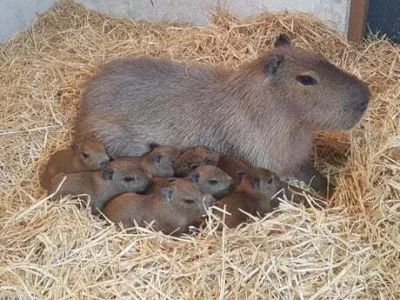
(153, 164)
(88, 155)
(253, 196)
(193, 158)
(266, 113)
(212, 180)
(171, 211)
(117, 178)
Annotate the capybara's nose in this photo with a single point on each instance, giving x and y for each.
(104, 164)
(362, 100)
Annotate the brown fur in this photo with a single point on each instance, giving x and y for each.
(103, 185)
(159, 184)
(88, 155)
(153, 164)
(212, 180)
(232, 166)
(170, 214)
(265, 113)
(171, 153)
(193, 158)
(249, 197)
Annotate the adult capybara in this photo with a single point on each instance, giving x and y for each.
(117, 178)
(87, 155)
(266, 113)
(171, 211)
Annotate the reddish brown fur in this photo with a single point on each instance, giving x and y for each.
(266, 113)
(170, 215)
(161, 168)
(103, 185)
(193, 158)
(232, 166)
(171, 153)
(74, 159)
(212, 180)
(249, 198)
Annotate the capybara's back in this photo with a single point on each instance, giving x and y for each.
(127, 103)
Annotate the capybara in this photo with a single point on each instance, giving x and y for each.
(193, 158)
(212, 180)
(173, 210)
(159, 183)
(117, 178)
(170, 152)
(153, 164)
(231, 166)
(266, 113)
(253, 196)
(87, 155)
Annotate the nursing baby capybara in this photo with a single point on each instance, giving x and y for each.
(193, 158)
(171, 211)
(212, 180)
(209, 179)
(153, 164)
(117, 178)
(253, 196)
(87, 155)
(266, 113)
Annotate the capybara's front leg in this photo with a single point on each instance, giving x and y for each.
(313, 178)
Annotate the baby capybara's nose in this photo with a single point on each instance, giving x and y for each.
(104, 163)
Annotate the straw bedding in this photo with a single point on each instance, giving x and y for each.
(54, 250)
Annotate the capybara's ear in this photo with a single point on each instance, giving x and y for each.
(108, 174)
(167, 193)
(273, 63)
(193, 166)
(75, 147)
(154, 145)
(240, 174)
(194, 177)
(256, 182)
(283, 40)
(156, 158)
(211, 162)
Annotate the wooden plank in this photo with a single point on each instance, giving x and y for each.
(358, 20)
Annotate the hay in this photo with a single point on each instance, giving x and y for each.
(56, 251)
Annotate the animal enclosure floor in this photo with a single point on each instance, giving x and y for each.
(54, 250)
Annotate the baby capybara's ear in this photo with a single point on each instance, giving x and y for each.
(193, 166)
(194, 177)
(240, 174)
(156, 158)
(256, 183)
(108, 174)
(283, 40)
(167, 193)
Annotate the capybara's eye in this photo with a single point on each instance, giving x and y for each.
(128, 179)
(85, 155)
(212, 182)
(306, 80)
(188, 201)
(270, 180)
